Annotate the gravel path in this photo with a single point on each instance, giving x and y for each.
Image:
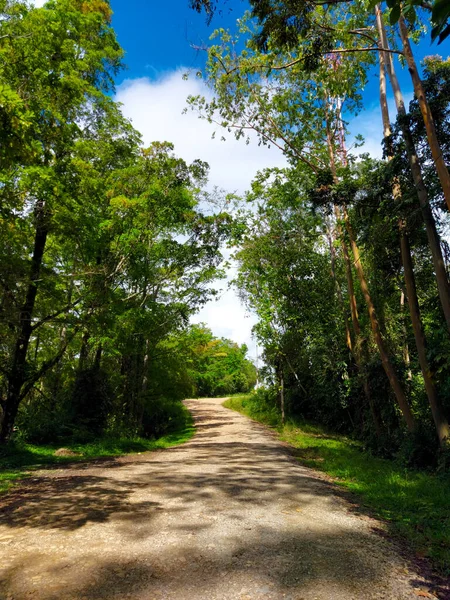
(229, 515)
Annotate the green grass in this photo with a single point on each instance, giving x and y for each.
(19, 459)
(416, 505)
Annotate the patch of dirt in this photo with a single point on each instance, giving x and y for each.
(230, 515)
(65, 452)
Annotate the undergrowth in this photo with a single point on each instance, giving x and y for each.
(18, 459)
(415, 504)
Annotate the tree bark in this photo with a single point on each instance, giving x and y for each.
(17, 374)
(283, 416)
(359, 348)
(406, 356)
(385, 358)
(430, 225)
(84, 351)
(433, 142)
(437, 410)
(441, 423)
(348, 336)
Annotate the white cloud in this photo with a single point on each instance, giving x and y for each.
(156, 110)
(156, 107)
(226, 317)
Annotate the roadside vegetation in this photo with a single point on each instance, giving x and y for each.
(414, 503)
(19, 459)
(108, 248)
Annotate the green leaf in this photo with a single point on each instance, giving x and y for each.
(410, 14)
(440, 11)
(394, 15)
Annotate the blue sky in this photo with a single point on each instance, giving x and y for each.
(157, 35)
(157, 38)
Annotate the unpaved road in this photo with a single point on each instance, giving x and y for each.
(229, 515)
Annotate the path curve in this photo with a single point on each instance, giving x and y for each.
(228, 515)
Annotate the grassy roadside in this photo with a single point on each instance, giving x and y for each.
(18, 460)
(415, 504)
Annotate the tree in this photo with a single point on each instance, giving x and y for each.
(105, 250)
(60, 78)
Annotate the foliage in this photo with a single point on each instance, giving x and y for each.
(289, 17)
(106, 248)
(216, 367)
(19, 459)
(319, 261)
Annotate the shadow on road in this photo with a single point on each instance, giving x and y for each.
(220, 480)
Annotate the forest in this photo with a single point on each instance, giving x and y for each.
(344, 256)
(108, 248)
(115, 241)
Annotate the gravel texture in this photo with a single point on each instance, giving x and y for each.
(228, 515)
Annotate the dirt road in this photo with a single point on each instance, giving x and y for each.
(229, 515)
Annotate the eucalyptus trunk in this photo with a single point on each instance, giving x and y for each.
(283, 415)
(406, 357)
(359, 349)
(384, 353)
(348, 336)
(437, 410)
(416, 171)
(433, 142)
(441, 423)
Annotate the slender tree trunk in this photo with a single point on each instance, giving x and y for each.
(359, 349)
(433, 142)
(144, 387)
(430, 225)
(348, 336)
(84, 351)
(441, 423)
(283, 416)
(98, 358)
(347, 261)
(406, 356)
(17, 373)
(145, 368)
(385, 357)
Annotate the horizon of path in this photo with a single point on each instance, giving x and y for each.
(228, 515)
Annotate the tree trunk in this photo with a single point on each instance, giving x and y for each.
(144, 387)
(406, 356)
(98, 358)
(430, 225)
(433, 142)
(359, 349)
(283, 416)
(441, 423)
(84, 351)
(348, 336)
(17, 374)
(349, 276)
(385, 358)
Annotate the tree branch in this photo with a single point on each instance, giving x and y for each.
(49, 364)
(55, 314)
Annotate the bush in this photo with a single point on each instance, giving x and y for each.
(419, 449)
(38, 424)
(262, 404)
(163, 416)
(91, 402)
